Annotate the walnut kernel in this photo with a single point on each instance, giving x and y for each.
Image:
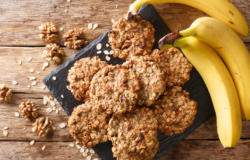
(42, 126)
(5, 94)
(74, 38)
(28, 110)
(53, 53)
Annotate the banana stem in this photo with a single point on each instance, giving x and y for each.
(169, 39)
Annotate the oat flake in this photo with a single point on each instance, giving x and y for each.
(95, 26)
(32, 142)
(99, 52)
(43, 148)
(62, 125)
(107, 58)
(14, 82)
(16, 114)
(54, 78)
(5, 133)
(99, 46)
(90, 25)
(29, 59)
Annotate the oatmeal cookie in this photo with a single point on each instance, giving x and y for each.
(175, 111)
(134, 135)
(174, 64)
(88, 125)
(81, 74)
(151, 79)
(117, 87)
(133, 37)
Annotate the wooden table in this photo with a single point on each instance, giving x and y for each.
(19, 40)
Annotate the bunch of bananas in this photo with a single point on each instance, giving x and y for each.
(215, 49)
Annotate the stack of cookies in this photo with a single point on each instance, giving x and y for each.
(128, 104)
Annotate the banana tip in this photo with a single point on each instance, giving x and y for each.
(169, 38)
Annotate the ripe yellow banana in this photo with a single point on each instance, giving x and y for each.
(232, 50)
(220, 86)
(222, 10)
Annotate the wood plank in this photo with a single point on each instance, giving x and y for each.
(207, 150)
(19, 26)
(12, 150)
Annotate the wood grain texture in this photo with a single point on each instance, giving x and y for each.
(18, 28)
(20, 19)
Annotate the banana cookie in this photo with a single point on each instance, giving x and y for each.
(81, 74)
(175, 111)
(87, 125)
(151, 79)
(174, 64)
(117, 88)
(134, 135)
(133, 37)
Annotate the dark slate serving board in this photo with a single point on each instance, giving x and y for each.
(195, 86)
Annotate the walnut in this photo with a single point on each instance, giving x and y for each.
(48, 32)
(42, 126)
(74, 38)
(28, 110)
(5, 94)
(53, 53)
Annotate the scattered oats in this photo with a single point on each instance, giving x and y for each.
(106, 52)
(54, 108)
(84, 154)
(89, 158)
(61, 29)
(45, 100)
(34, 83)
(52, 103)
(87, 150)
(71, 145)
(43, 148)
(99, 46)
(112, 20)
(78, 146)
(90, 25)
(107, 45)
(45, 65)
(57, 111)
(32, 142)
(14, 82)
(82, 149)
(92, 151)
(5, 133)
(54, 78)
(5, 128)
(32, 78)
(62, 125)
(99, 52)
(49, 110)
(95, 26)
(111, 52)
(107, 58)
(16, 114)
(62, 96)
(19, 62)
(31, 70)
(29, 59)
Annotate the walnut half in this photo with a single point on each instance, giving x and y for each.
(42, 126)
(28, 110)
(48, 32)
(53, 53)
(5, 94)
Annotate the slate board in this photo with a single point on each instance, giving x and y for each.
(195, 86)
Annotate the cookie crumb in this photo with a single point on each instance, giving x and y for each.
(32, 142)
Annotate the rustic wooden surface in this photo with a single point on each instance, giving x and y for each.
(19, 40)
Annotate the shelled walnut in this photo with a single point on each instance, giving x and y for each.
(28, 110)
(5, 94)
(53, 53)
(74, 38)
(42, 126)
(48, 32)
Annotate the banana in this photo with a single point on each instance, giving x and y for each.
(232, 50)
(220, 86)
(222, 10)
